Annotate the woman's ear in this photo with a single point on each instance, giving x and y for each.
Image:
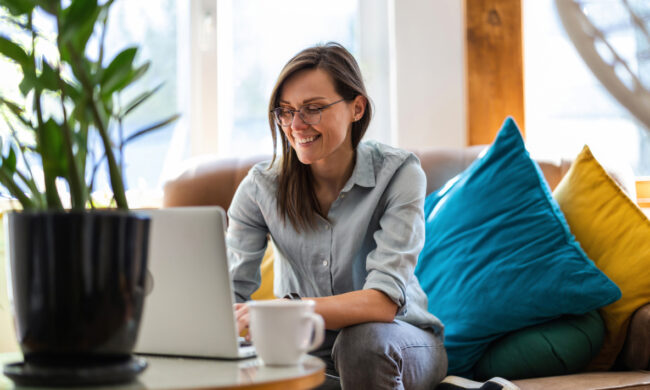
(359, 107)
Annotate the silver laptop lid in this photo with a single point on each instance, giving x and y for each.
(189, 309)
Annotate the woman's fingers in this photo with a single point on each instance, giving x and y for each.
(243, 319)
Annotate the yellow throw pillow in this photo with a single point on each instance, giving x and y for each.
(615, 234)
(265, 291)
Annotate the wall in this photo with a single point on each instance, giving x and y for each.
(429, 72)
(8, 341)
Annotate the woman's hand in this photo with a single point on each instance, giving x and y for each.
(243, 319)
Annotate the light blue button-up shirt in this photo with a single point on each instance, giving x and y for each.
(371, 238)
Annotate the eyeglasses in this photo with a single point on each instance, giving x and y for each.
(311, 115)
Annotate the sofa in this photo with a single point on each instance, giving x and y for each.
(214, 181)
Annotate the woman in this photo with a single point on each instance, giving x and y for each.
(347, 221)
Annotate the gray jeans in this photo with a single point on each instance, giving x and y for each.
(376, 355)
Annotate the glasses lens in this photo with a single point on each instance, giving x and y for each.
(283, 116)
(310, 115)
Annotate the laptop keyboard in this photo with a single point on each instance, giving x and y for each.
(243, 342)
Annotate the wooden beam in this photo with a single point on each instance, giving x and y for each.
(494, 67)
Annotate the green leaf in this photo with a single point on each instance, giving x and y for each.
(49, 6)
(19, 7)
(139, 72)
(49, 78)
(29, 82)
(151, 128)
(55, 163)
(10, 161)
(17, 111)
(14, 51)
(13, 107)
(77, 25)
(6, 179)
(118, 71)
(139, 100)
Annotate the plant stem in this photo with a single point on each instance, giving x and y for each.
(37, 197)
(114, 170)
(16, 191)
(120, 132)
(76, 189)
(101, 39)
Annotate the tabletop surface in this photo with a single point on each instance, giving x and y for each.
(167, 373)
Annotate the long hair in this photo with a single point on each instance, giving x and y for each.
(295, 194)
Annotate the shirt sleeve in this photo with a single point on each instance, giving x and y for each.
(400, 237)
(246, 239)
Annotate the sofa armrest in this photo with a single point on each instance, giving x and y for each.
(208, 182)
(636, 351)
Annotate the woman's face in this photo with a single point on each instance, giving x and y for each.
(330, 138)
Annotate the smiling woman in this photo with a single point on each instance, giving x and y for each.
(318, 140)
(347, 220)
(328, 145)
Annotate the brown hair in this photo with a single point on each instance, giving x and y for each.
(295, 194)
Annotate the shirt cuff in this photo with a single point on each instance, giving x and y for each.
(390, 286)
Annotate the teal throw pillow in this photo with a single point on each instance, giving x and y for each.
(559, 347)
(499, 256)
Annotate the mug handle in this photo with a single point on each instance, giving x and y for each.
(319, 330)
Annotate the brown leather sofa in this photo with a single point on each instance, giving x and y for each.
(213, 182)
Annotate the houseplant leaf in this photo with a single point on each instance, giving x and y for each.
(55, 163)
(14, 51)
(138, 101)
(77, 25)
(17, 111)
(151, 128)
(19, 7)
(118, 71)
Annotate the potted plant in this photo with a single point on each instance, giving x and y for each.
(77, 269)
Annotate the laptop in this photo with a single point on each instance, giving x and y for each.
(189, 307)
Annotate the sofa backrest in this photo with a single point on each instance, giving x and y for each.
(213, 182)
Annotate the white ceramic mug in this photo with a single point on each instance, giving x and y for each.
(282, 330)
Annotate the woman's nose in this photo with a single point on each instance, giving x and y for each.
(297, 122)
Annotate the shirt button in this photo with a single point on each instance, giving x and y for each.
(342, 196)
(327, 227)
(324, 263)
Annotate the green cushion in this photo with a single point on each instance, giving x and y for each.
(559, 347)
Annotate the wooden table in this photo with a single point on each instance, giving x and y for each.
(185, 373)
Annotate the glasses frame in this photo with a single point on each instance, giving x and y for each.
(276, 112)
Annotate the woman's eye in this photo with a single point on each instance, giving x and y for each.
(312, 109)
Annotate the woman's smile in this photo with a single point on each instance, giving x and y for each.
(306, 141)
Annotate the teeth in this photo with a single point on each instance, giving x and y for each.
(305, 140)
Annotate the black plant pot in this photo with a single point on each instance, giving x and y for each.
(78, 285)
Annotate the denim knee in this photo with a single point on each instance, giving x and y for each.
(388, 356)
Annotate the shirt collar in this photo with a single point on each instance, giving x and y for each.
(364, 171)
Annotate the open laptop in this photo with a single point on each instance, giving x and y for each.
(189, 307)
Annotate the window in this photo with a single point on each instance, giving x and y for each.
(566, 106)
(150, 24)
(255, 38)
(217, 61)
(258, 37)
